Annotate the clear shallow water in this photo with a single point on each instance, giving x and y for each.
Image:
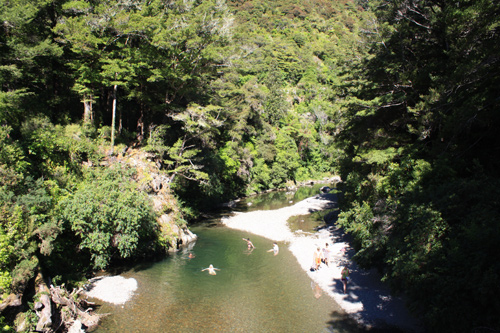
(277, 199)
(253, 291)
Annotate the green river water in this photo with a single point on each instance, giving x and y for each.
(253, 291)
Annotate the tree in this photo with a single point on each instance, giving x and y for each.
(110, 217)
(275, 107)
(31, 80)
(420, 132)
(199, 125)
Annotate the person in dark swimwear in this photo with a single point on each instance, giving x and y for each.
(249, 243)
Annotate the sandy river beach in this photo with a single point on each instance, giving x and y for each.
(367, 300)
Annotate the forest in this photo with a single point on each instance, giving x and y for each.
(233, 97)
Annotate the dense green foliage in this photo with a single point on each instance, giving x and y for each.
(421, 169)
(108, 213)
(235, 97)
(186, 81)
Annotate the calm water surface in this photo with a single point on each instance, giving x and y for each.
(253, 291)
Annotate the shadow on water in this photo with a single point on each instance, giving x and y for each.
(349, 325)
(254, 291)
(274, 199)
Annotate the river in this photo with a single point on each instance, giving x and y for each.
(253, 291)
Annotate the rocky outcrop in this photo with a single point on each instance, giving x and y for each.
(179, 235)
(43, 307)
(156, 183)
(12, 300)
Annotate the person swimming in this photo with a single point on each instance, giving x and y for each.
(211, 270)
(249, 243)
(275, 249)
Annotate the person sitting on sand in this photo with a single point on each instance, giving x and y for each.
(275, 249)
(249, 243)
(211, 269)
(345, 277)
(317, 258)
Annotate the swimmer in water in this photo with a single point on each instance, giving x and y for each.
(275, 249)
(249, 243)
(191, 255)
(211, 270)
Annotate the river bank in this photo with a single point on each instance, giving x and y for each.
(368, 301)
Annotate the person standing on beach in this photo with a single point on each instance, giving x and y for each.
(326, 254)
(211, 270)
(317, 258)
(275, 249)
(344, 277)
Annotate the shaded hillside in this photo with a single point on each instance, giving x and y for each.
(421, 167)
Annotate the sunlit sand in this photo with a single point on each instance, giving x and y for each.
(368, 301)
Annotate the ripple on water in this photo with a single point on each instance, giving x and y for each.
(252, 292)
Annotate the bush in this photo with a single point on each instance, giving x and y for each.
(109, 215)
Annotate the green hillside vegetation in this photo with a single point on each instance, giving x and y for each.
(229, 98)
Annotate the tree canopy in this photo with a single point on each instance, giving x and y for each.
(230, 98)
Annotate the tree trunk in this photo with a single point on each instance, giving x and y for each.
(88, 114)
(113, 118)
(120, 121)
(88, 319)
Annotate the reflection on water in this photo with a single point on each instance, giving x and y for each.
(277, 199)
(307, 223)
(254, 291)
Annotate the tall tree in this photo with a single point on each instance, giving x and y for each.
(29, 60)
(420, 133)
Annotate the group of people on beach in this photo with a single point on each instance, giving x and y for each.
(323, 256)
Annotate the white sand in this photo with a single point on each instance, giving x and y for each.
(113, 289)
(368, 300)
